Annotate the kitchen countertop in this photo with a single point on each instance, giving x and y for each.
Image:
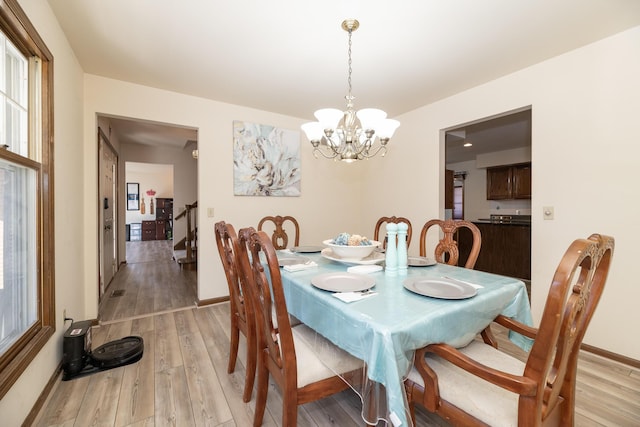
(488, 221)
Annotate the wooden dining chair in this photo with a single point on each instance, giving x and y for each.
(242, 315)
(380, 232)
(446, 251)
(480, 385)
(279, 236)
(296, 358)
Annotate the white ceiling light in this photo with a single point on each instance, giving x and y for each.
(347, 135)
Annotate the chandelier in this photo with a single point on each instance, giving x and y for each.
(349, 135)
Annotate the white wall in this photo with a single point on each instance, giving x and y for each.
(148, 176)
(69, 216)
(585, 108)
(184, 188)
(506, 157)
(330, 200)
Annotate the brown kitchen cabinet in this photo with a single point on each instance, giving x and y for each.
(505, 249)
(522, 181)
(509, 182)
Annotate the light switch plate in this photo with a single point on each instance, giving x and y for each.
(210, 212)
(547, 212)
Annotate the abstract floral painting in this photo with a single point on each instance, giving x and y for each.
(266, 160)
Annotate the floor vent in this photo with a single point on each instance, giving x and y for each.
(117, 293)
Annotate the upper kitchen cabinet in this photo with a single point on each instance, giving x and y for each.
(522, 181)
(509, 182)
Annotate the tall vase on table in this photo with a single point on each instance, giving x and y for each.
(403, 260)
(391, 254)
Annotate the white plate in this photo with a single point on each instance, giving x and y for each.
(292, 260)
(439, 288)
(419, 261)
(307, 249)
(343, 282)
(374, 258)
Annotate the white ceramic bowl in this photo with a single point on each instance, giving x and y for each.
(355, 253)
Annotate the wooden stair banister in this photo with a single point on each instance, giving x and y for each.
(190, 241)
(184, 212)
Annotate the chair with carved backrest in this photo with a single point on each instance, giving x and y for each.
(242, 315)
(295, 357)
(480, 385)
(447, 246)
(279, 237)
(380, 232)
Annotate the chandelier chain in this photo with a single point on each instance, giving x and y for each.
(349, 80)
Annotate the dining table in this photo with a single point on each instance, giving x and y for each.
(384, 324)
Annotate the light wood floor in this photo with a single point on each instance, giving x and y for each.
(150, 282)
(182, 380)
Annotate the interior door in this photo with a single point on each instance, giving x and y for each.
(107, 208)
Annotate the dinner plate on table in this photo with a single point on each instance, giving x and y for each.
(292, 260)
(439, 288)
(420, 261)
(343, 282)
(374, 258)
(307, 249)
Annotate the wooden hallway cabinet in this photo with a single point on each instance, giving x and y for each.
(149, 230)
(162, 227)
(161, 230)
(164, 218)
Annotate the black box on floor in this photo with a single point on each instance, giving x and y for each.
(76, 347)
(78, 359)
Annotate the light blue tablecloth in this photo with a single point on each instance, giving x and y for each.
(385, 329)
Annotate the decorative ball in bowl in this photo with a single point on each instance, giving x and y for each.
(362, 248)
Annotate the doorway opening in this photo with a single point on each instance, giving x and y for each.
(108, 207)
(151, 219)
(157, 178)
(488, 166)
(458, 195)
(473, 147)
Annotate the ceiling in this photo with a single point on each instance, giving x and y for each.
(504, 132)
(290, 56)
(153, 133)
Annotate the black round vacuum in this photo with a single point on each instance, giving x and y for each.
(78, 360)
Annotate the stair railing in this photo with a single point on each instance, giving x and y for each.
(191, 237)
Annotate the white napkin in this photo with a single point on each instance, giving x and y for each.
(299, 267)
(353, 296)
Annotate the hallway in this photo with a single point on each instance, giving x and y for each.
(150, 282)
